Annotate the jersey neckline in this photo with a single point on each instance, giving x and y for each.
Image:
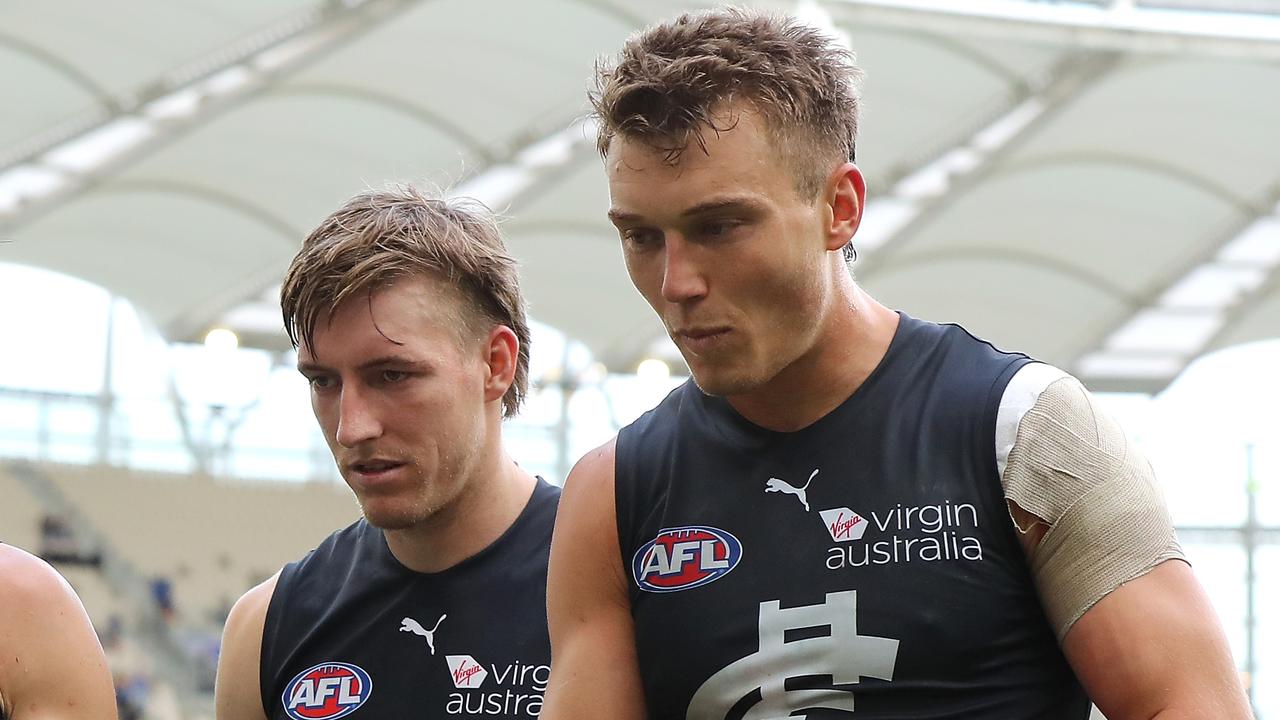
(543, 492)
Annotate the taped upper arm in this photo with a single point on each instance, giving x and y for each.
(1079, 484)
(238, 690)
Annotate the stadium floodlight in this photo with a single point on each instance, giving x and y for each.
(653, 369)
(221, 339)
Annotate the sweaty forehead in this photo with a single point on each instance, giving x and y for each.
(739, 160)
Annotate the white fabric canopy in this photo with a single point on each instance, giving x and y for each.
(1101, 197)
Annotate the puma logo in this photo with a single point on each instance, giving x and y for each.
(782, 486)
(410, 625)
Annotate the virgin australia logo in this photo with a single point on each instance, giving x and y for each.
(843, 524)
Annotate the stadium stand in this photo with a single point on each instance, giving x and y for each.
(20, 514)
(211, 539)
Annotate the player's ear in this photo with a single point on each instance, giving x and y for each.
(501, 353)
(845, 196)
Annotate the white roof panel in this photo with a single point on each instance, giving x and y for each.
(1129, 172)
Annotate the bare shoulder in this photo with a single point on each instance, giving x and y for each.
(252, 606)
(587, 505)
(52, 658)
(35, 598)
(237, 693)
(594, 470)
(29, 582)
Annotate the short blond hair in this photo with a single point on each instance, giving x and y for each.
(381, 236)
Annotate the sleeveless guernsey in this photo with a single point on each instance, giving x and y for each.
(351, 631)
(866, 564)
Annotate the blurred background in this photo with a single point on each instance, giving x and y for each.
(1094, 183)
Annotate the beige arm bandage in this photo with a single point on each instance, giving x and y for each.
(1071, 465)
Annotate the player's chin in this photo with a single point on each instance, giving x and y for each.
(721, 379)
(388, 514)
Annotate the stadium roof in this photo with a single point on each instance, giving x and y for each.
(1095, 183)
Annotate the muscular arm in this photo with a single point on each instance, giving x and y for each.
(593, 656)
(238, 694)
(1153, 648)
(1135, 624)
(51, 664)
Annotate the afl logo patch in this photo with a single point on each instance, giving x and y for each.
(327, 691)
(685, 557)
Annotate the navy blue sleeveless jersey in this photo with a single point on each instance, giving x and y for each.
(352, 632)
(864, 567)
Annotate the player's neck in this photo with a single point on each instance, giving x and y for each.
(853, 340)
(495, 494)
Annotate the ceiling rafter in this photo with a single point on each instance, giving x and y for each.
(1067, 83)
(504, 186)
(208, 89)
(61, 66)
(1227, 314)
(1116, 29)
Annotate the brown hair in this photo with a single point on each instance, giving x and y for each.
(669, 81)
(381, 236)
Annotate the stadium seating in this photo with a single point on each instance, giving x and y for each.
(212, 539)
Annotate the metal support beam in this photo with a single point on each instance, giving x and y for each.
(532, 168)
(38, 177)
(1066, 83)
(106, 395)
(1250, 575)
(505, 185)
(1154, 300)
(1118, 28)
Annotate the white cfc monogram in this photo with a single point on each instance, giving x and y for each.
(843, 654)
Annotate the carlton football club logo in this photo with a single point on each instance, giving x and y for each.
(327, 691)
(685, 557)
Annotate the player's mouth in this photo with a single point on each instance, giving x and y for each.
(702, 340)
(375, 470)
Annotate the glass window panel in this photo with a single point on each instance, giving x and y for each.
(274, 438)
(1221, 571)
(533, 447)
(19, 426)
(1266, 481)
(73, 432)
(1203, 480)
(68, 326)
(1266, 679)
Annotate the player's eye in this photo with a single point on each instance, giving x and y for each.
(640, 238)
(718, 228)
(320, 382)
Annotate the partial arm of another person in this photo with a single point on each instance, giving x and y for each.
(594, 672)
(238, 694)
(1133, 620)
(51, 664)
